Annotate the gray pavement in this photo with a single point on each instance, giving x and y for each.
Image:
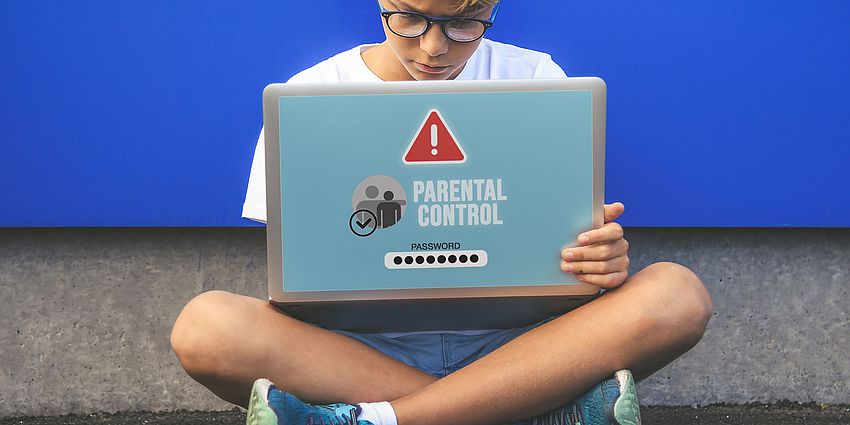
(773, 414)
(86, 315)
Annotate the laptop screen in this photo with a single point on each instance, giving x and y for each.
(433, 190)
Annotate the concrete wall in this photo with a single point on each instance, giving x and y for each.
(85, 314)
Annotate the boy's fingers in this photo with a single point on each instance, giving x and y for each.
(612, 211)
(599, 252)
(609, 232)
(607, 281)
(613, 265)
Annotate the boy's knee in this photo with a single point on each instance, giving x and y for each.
(197, 328)
(682, 295)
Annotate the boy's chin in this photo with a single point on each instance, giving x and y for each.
(430, 78)
(427, 76)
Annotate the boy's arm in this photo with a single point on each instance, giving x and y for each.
(601, 257)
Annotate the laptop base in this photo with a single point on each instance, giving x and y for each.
(432, 314)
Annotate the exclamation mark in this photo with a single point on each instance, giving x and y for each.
(434, 139)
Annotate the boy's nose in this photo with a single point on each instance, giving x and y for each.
(434, 42)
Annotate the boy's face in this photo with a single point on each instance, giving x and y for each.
(431, 56)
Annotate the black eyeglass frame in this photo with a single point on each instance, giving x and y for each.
(431, 20)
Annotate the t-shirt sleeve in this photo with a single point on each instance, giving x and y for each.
(547, 68)
(254, 207)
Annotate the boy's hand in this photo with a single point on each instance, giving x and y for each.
(601, 258)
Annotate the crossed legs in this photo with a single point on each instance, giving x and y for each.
(226, 341)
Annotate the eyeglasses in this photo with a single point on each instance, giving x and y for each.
(413, 24)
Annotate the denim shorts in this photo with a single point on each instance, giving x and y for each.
(440, 353)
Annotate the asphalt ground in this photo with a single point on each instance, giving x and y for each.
(757, 414)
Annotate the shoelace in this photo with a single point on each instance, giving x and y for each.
(567, 415)
(336, 420)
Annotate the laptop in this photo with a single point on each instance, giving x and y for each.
(408, 206)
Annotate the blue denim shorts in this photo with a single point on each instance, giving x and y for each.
(440, 353)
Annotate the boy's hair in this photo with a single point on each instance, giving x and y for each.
(464, 5)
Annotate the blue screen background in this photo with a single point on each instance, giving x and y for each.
(145, 113)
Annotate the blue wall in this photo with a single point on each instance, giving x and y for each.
(145, 113)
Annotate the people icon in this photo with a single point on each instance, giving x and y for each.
(370, 204)
(379, 202)
(389, 211)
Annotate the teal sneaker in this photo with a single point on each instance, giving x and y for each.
(612, 402)
(270, 406)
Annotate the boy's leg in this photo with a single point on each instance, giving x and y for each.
(226, 341)
(656, 316)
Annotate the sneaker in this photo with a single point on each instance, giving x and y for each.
(270, 406)
(612, 402)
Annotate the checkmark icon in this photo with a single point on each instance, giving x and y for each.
(362, 223)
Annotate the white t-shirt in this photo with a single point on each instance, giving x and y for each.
(491, 61)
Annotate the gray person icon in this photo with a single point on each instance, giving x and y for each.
(370, 204)
(389, 212)
(377, 202)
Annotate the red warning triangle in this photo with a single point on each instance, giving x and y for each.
(434, 143)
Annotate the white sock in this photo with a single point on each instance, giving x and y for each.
(378, 413)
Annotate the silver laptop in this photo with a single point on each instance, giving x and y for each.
(431, 205)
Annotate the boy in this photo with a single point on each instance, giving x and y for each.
(642, 323)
